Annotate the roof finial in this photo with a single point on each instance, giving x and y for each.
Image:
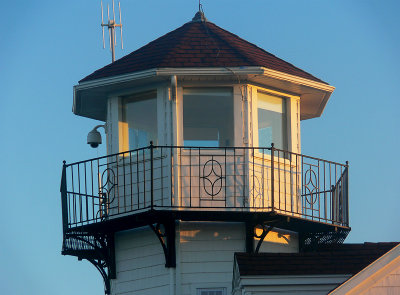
(199, 16)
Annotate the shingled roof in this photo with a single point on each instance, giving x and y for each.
(334, 259)
(198, 43)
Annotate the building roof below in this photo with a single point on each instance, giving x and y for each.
(333, 259)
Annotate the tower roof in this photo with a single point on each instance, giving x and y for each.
(198, 43)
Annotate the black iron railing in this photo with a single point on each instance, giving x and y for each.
(237, 179)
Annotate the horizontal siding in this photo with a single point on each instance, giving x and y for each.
(141, 273)
(206, 254)
(142, 287)
(162, 290)
(139, 252)
(206, 267)
(140, 264)
(389, 284)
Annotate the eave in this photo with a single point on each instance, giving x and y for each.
(90, 97)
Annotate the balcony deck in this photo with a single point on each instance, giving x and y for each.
(144, 186)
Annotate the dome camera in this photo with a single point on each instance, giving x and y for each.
(94, 137)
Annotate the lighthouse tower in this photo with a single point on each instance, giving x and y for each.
(203, 161)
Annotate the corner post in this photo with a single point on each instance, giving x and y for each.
(64, 202)
(347, 194)
(272, 178)
(151, 174)
(249, 237)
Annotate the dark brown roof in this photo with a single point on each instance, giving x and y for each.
(197, 44)
(336, 259)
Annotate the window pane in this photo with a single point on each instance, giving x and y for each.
(271, 121)
(208, 117)
(140, 114)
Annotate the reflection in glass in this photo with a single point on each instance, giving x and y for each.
(139, 112)
(271, 121)
(208, 117)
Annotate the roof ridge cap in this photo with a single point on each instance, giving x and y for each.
(249, 56)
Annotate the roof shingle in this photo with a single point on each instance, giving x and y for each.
(333, 259)
(197, 44)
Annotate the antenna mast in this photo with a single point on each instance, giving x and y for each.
(111, 25)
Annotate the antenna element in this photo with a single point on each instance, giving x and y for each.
(111, 25)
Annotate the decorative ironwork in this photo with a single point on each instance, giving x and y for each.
(106, 192)
(134, 181)
(257, 191)
(265, 230)
(165, 233)
(98, 249)
(314, 240)
(212, 177)
(136, 188)
(251, 233)
(310, 186)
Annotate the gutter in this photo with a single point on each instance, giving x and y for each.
(168, 72)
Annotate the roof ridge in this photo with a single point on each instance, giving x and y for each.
(249, 57)
(188, 46)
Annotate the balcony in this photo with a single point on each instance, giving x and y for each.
(138, 187)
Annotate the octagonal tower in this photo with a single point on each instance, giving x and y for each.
(203, 160)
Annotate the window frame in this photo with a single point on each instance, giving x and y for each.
(292, 119)
(232, 97)
(123, 127)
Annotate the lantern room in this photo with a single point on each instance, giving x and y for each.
(201, 126)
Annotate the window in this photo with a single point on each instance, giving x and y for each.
(272, 128)
(211, 291)
(139, 120)
(208, 117)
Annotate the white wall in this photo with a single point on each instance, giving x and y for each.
(206, 254)
(204, 251)
(389, 284)
(140, 264)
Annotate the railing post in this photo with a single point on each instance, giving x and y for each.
(151, 175)
(64, 202)
(272, 178)
(347, 194)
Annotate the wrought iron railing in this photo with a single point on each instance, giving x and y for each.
(237, 179)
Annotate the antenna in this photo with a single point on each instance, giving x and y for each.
(111, 25)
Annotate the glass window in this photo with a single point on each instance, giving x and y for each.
(271, 121)
(208, 117)
(139, 120)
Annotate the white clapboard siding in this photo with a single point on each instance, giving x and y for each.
(140, 263)
(206, 254)
(389, 284)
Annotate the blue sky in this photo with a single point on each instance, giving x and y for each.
(47, 46)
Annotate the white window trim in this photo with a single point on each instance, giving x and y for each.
(115, 144)
(292, 118)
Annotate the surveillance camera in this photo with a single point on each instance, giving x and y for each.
(94, 138)
(94, 144)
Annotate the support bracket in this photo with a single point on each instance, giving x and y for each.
(251, 233)
(98, 249)
(165, 232)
